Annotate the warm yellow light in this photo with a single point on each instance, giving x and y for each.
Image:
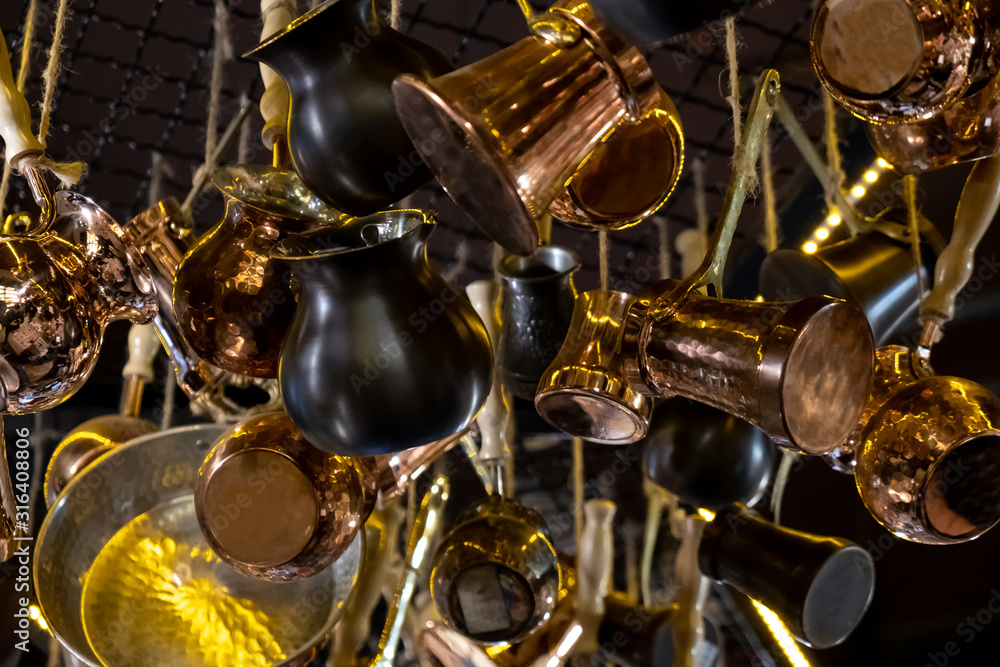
(781, 635)
(833, 219)
(822, 233)
(858, 191)
(36, 615)
(810, 247)
(882, 163)
(760, 299)
(871, 176)
(709, 515)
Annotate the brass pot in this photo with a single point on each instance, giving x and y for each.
(233, 303)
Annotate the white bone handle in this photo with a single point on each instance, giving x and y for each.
(492, 420)
(143, 346)
(692, 246)
(275, 102)
(15, 114)
(595, 567)
(689, 626)
(978, 205)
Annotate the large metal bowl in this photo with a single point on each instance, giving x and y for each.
(122, 485)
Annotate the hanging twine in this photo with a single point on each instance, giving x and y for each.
(22, 77)
(837, 177)
(578, 491)
(780, 483)
(770, 207)
(910, 190)
(700, 201)
(661, 224)
(396, 14)
(733, 74)
(602, 243)
(243, 148)
(220, 54)
(68, 173)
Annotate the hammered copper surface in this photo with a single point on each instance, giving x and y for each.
(60, 288)
(967, 130)
(800, 371)
(496, 576)
(927, 54)
(144, 474)
(584, 392)
(273, 506)
(233, 303)
(928, 451)
(503, 135)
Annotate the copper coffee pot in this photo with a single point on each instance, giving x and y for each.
(928, 446)
(800, 371)
(233, 303)
(504, 152)
(819, 586)
(95, 437)
(901, 61)
(275, 507)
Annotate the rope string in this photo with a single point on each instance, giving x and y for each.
(578, 491)
(833, 158)
(243, 148)
(733, 74)
(396, 14)
(52, 70)
(220, 54)
(700, 201)
(661, 223)
(22, 77)
(602, 242)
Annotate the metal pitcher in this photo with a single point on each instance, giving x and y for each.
(377, 329)
(536, 305)
(504, 135)
(344, 137)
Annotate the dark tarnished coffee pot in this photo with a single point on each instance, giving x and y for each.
(344, 137)
(874, 271)
(536, 306)
(706, 457)
(819, 586)
(233, 303)
(383, 354)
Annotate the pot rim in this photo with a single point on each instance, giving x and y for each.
(562, 261)
(252, 54)
(396, 225)
(256, 191)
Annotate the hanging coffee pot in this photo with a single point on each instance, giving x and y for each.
(536, 306)
(496, 576)
(819, 586)
(927, 446)
(504, 152)
(275, 507)
(898, 62)
(232, 301)
(874, 271)
(706, 457)
(967, 130)
(344, 137)
(376, 329)
(97, 436)
(800, 371)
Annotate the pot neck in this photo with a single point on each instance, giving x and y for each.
(316, 34)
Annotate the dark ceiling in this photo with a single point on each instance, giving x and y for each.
(136, 82)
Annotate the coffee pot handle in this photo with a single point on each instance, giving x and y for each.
(15, 115)
(143, 346)
(418, 550)
(595, 567)
(709, 274)
(976, 209)
(275, 102)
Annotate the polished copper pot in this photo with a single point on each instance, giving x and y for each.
(232, 301)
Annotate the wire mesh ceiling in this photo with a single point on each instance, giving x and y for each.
(136, 82)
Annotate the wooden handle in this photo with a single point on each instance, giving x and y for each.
(595, 567)
(689, 624)
(493, 418)
(143, 346)
(978, 205)
(15, 114)
(275, 102)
